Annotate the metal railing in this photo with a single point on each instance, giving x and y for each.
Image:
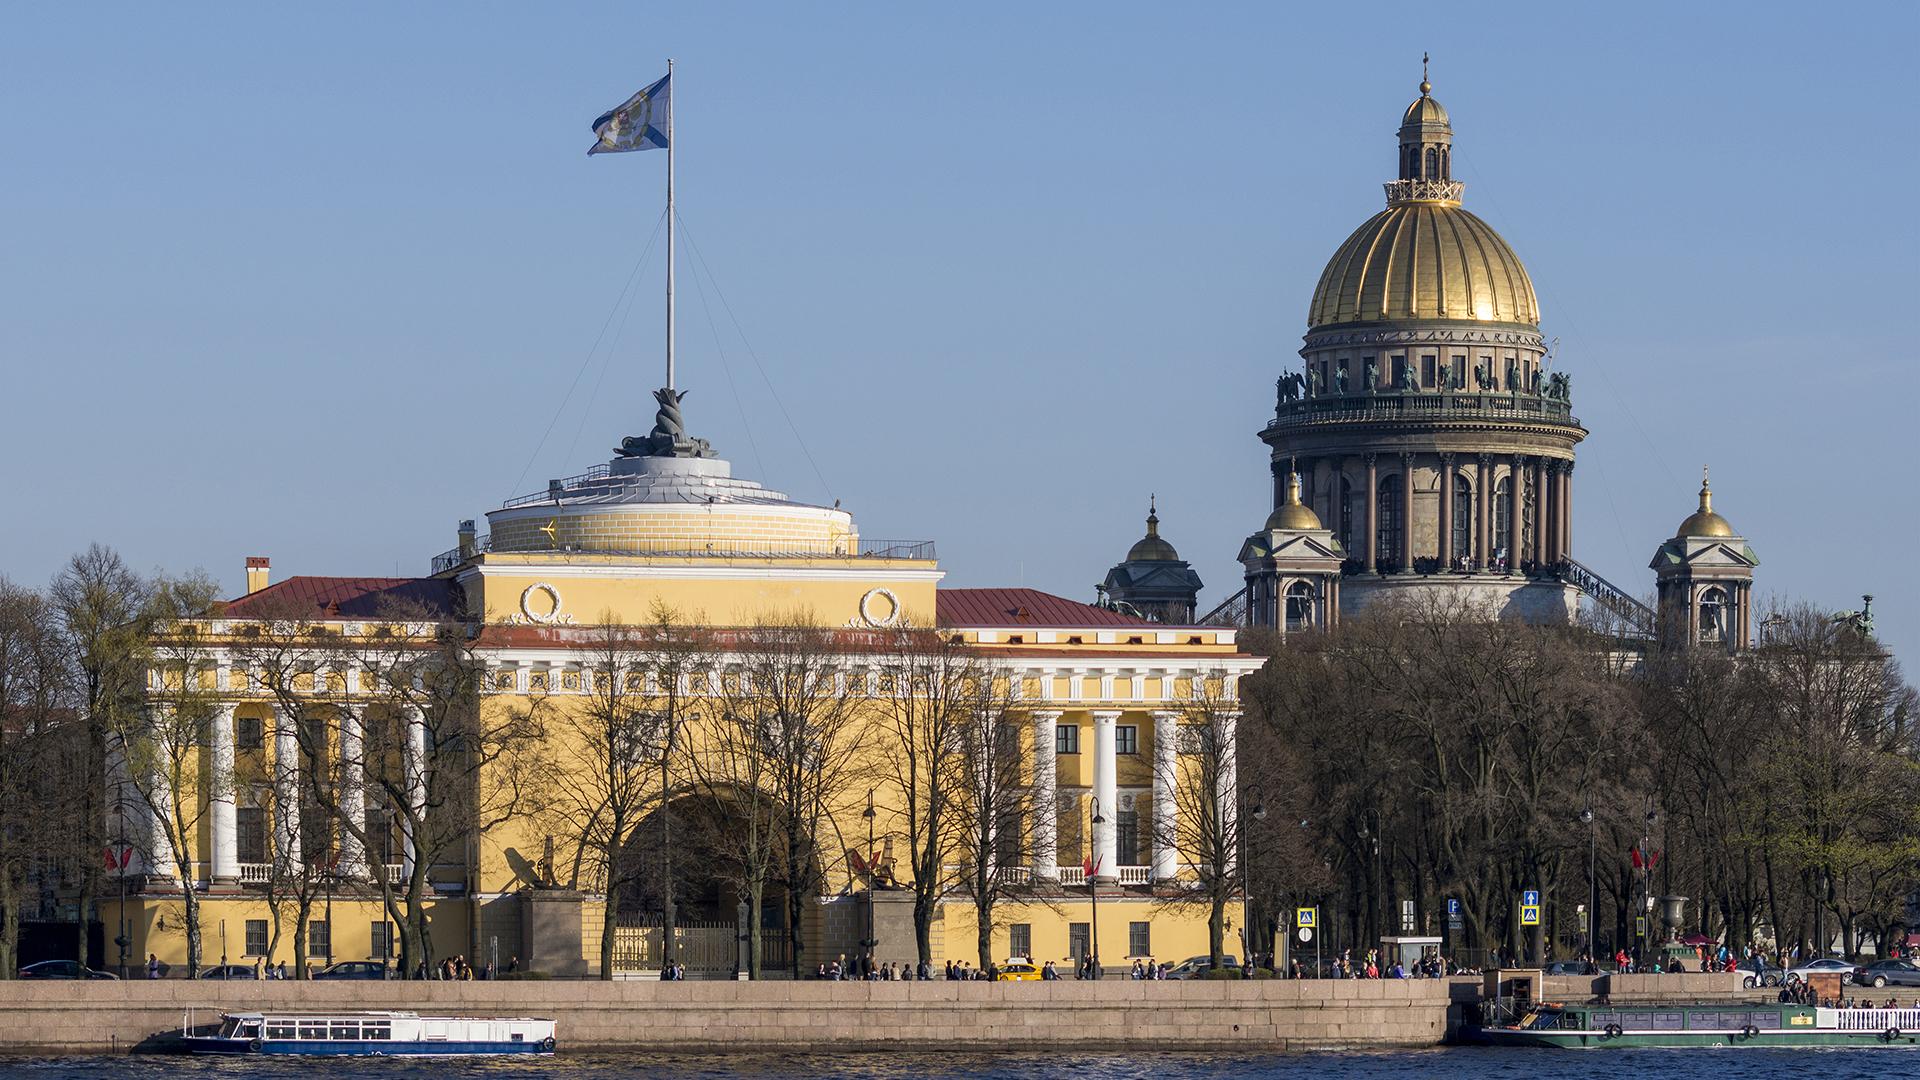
(598, 472)
(1422, 405)
(1233, 611)
(1638, 617)
(866, 549)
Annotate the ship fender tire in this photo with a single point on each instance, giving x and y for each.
(1892, 1035)
(253, 1045)
(547, 1043)
(1750, 1031)
(1612, 1031)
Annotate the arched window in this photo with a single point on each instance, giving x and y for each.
(1463, 518)
(1346, 515)
(1433, 164)
(1713, 615)
(1388, 518)
(1299, 605)
(1446, 163)
(1502, 514)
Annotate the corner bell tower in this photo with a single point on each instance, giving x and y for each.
(1705, 580)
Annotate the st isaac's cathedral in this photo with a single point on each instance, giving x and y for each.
(1426, 445)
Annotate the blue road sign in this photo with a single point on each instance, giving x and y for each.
(1453, 905)
(1529, 914)
(1530, 898)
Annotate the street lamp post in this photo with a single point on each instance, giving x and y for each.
(1646, 876)
(1593, 887)
(867, 943)
(1093, 899)
(1246, 897)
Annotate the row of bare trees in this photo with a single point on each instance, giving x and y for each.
(1436, 753)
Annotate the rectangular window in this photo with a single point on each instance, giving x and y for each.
(1020, 940)
(250, 834)
(382, 940)
(1399, 370)
(256, 938)
(1126, 837)
(1139, 939)
(1126, 739)
(319, 939)
(1077, 942)
(1458, 371)
(249, 733)
(1429, 370)
(1066, 739)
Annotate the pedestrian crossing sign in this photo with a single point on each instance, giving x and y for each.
(1305, 916)
(1529, 914)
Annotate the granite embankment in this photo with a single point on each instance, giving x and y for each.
(89, 1017)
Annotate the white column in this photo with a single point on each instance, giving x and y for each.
(220, 812)
(156, 807)
(1166, 819)
(1046, 796)
(1106, 776)
(353, 797)
(414, 762)
(286, 791)
(1229, 793)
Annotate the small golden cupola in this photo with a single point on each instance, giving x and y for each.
(1292, 515)
(1705, 521)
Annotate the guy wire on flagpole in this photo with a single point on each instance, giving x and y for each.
(672, 93)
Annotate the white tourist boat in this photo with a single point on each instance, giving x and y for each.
(373, 1034)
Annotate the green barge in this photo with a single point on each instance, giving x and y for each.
(1702, 1024)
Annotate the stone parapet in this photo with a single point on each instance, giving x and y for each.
(717, 1016)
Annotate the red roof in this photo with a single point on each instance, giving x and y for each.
(345, 598)
(1022, 607)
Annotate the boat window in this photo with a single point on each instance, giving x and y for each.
(250, 1029)
(1768, 1019)
(377, 1029)
(1631, 1020)
(1668, 1021)
(345, 1029)
(313, 1029)
(280, 1029)
(518, 1037)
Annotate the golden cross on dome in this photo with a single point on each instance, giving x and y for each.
(1426, 87)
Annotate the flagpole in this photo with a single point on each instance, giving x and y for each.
(671, 93)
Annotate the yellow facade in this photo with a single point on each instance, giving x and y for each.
(620, 546)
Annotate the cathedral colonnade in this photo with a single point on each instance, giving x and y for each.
(1411, 511)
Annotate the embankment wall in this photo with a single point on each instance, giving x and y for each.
(91, 1017)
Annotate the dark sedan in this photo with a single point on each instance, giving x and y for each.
(63, 969)
(1887, 973)
(228, 971)
(353, 969)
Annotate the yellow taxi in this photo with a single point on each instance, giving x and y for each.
(1018, 969)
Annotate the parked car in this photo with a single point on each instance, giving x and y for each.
(353, 969)
(1570, 967)
(1196, 967)
(1826, 965)
(1887, 973)
(1755, 972)
(228, 971)
(1017, 969)
(63, 969)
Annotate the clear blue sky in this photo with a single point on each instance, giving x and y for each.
(312, 282)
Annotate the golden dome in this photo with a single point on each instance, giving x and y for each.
(1151, 548)
(1704, 521)
(1425, 110)
(1419, 260)
(1292, 515)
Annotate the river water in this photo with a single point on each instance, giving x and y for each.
(1448, 1064)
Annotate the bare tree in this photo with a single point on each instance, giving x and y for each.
(102, 607)
(988, 772)
(1204, 822)
(927, 696)
(161, 748)
(40, 805)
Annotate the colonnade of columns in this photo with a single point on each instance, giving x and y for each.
(1550, 480)
(222, 809)
(1164, 863)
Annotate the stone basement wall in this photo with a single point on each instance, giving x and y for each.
(92, 1017)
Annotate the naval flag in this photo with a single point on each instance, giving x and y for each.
(640, 124)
